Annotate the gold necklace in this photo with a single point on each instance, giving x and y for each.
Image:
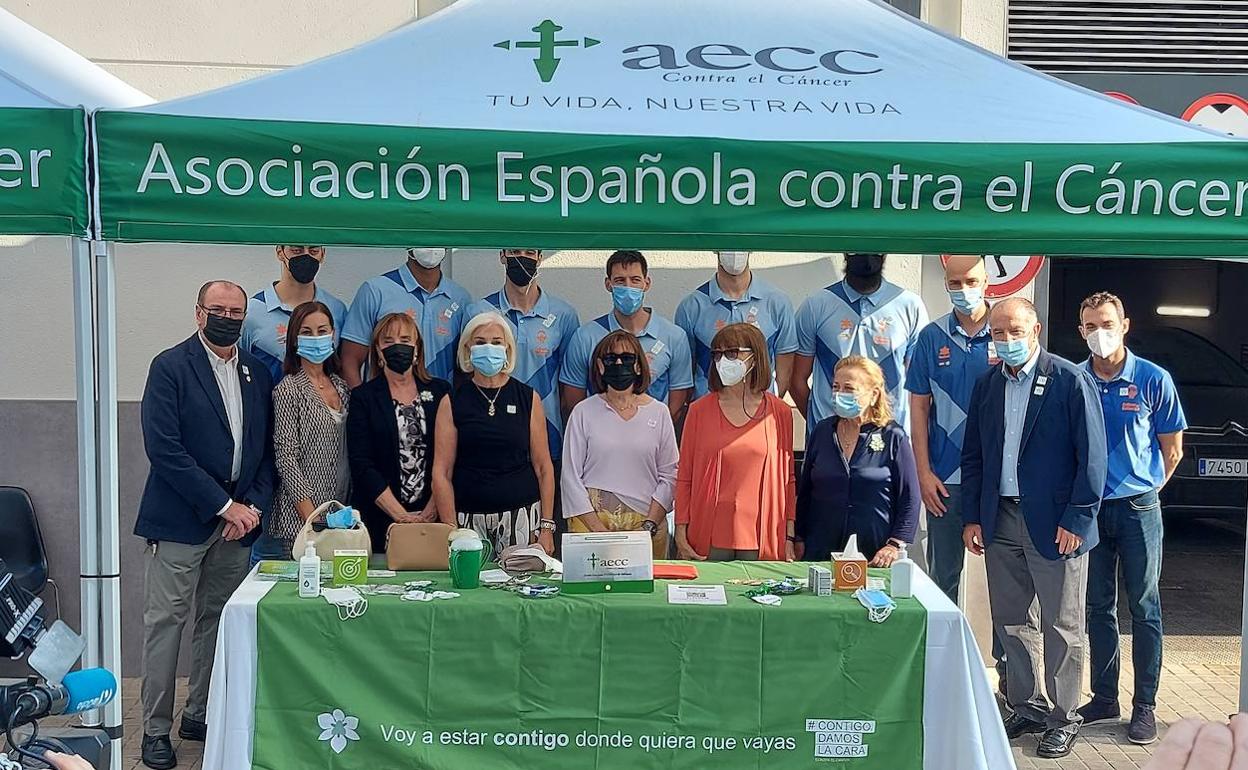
(487, 398)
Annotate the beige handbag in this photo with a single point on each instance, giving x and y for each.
(329, 540)
(418, 546)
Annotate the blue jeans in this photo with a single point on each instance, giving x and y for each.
(1131, 536)
(946, 554)
(269, 548)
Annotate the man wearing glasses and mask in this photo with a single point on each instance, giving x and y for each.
(206, 419)
(268, 311)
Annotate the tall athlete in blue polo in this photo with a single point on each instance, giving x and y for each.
(437, 304)
(665, 343)
(862, 315)
(1144, 427)
(736, 295)
(268, 311)
(543, 325)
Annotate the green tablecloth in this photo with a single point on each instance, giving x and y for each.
(494, 680)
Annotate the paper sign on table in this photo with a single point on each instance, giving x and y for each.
(695, 594)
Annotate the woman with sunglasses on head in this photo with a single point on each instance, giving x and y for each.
(859, 476)
(619, 451)
(390, 434)
(735, 486)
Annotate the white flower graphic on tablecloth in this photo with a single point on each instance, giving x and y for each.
(338, 728)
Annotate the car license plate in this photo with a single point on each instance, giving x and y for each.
(1235, 468)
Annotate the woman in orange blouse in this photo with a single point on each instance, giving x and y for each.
(735, 489)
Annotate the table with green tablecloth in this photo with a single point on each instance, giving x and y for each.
(616, 680)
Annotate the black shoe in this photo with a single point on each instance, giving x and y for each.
(1143, 727)
(192, 730)
(1016, 724)
(1057, 743)
(158, 752)
(1097, 710)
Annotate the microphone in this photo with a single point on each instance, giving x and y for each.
(80, 691)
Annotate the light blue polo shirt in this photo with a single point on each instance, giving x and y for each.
(264, 330)
(837, 322)
(440, 314)
(1138, 404)
(945, 364)
(664, 343)
(542, 337)
(707, 310)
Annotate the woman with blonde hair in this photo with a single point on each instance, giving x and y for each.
(859, 476)
(735, 486)
(492, 470)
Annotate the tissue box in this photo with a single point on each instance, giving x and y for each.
(350, 568)
(819, 580)
(599, 562)
(849, 571)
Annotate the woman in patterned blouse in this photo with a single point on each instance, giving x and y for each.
(390, 431)
(309, 413)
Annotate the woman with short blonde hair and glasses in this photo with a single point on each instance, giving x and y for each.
(859, 476)
(735, 485)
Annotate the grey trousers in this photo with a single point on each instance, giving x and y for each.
(180, 578)
(1017, 576)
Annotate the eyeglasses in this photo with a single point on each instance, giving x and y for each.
(224, 312)
(628, 359)
(732, 354)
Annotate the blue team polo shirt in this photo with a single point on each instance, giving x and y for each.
(707, 310)
(664, 343)
(945, 364)
(264, 330)
(542, 337)
(440, 314)
(1139, 403)
(838, 322)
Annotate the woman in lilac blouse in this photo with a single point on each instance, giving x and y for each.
(619, 449)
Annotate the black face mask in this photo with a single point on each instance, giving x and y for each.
(864, 265)
(619, 375)
(221, 331)
(303, 267)
(521, 270)
(399, 357)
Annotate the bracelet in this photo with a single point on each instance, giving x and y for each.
(547, 525)
(792, 538)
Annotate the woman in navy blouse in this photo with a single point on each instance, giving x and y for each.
(875, 494)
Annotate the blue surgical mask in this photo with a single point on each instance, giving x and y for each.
(488, 359)
(846, 405)
(967, 300)
(1014, 352)
(343, 518)
(627, 299)
(315, 348)
(879, 604)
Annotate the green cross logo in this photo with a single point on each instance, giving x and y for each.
(593, 560)
(547, 44)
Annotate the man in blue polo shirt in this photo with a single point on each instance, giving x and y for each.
(543, 325)
(268, 311)
(736, 295)
(665, 343)
(1144, 427)
(437, 304)
(862, 315)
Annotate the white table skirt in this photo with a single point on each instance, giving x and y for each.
(961, 724)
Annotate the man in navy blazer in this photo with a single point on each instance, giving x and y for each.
(1033, 469)
(207, 431)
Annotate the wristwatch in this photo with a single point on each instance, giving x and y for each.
(546, 524)
(792, 538)
(894, 542)
(650, 526)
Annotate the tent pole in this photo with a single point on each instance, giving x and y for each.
(1243, 643)
(110, 519)
(88, 509)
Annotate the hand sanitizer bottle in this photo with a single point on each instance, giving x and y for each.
(309, 573)
(902, 576)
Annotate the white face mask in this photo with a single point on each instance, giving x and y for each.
(734, 262)
(732, 372)
(348, 601)
(427, 258)
(1104, 343)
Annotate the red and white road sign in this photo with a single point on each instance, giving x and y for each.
(1007, 273)
(1225, 113)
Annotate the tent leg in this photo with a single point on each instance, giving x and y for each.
(110, 513)
(88, 509)
(1243, 643)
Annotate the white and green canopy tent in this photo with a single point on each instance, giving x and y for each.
(46, 93)
(802, 125)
